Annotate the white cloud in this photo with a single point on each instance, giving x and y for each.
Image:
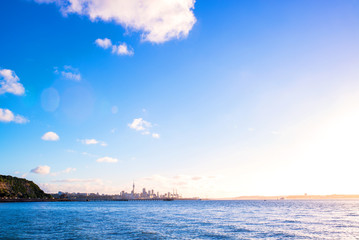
(122, 49)
(7, 116)
(92, 142)
(20, 119)
(107, 160)
(139, 124)
(69, 73)
(155, 135)
(143, 126)
(89, 141)
(9, 82)
(50, 136)
(43, 170)
(103, 43)
(158, 20)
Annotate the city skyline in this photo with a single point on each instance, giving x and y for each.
(215, 99)
(123, 195)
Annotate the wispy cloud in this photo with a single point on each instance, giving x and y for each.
(10, 83)
(89, 141)
(119, 49)
(159, 21)
(70, 151)
(82, 153)
(114, 109)
(67, 170)
(92, 142)
(89, 185)
(69, 72)
(89, 154)
(7, 116)
(107, 160)
(43, 170)
(76, 180)
(50, 136)
(155, 135)
(71, 75)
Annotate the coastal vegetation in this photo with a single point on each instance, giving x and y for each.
(20, 188)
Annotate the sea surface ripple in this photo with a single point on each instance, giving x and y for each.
(324, 219)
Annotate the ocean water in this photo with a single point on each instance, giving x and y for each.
(324, 219)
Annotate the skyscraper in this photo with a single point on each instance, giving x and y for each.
(133, 188)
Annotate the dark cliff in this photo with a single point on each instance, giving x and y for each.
(20, 188)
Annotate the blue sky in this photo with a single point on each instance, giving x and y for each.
(224, 99)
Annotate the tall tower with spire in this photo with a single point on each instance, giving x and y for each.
(133, 188)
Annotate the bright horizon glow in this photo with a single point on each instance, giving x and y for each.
(218, 100)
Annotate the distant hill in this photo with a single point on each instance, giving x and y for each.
(20, 188)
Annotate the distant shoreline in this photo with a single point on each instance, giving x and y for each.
(294, 197)
(244, 198)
